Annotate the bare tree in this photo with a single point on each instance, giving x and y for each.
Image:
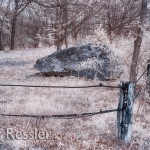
(4, 12)
(138, 42)
(19, 6)
(118, 15)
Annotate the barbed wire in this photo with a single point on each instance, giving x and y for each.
(49, 86)
(63, 116)
(139, 92)
(140, 76)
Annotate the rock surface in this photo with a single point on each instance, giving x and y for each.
(88, 61)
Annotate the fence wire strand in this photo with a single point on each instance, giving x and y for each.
(141, 76)
(63, 116)
(48, 86)
(139, 92)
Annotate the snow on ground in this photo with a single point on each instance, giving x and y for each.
(97, 132)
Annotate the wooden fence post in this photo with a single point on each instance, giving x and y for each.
(124, 116)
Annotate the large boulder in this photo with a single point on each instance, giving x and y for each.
(88, 61)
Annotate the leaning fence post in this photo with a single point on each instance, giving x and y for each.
(124, 116)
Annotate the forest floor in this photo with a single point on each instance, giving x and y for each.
(97, 132)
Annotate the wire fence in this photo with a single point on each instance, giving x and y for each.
(67, 116)
(124, 110)
(63, 116)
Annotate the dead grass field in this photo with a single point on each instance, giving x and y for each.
(91, 133)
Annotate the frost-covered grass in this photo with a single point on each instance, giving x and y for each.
(97, 132)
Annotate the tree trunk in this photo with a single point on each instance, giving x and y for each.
(119, 32)
(1, 42)
(1, 36)
(58, 42)
(13, 32)
(13, 28)
(66, 23)
(58, 46)
(138, 42)
(58, 28)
